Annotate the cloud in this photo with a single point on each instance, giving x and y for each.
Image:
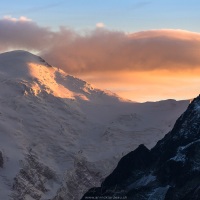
(35, 9)
(140, 4)
(103, 50)
(22, 33)
(21, 19)
(142, 66)
(41, 7)
(148, 85)
(100, 25)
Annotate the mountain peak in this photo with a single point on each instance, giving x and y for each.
(51, 122)
(21, 57)
(19, 52)
(24, 67)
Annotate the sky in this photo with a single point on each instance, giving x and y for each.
(142, 50)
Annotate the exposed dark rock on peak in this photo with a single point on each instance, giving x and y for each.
(169, 171)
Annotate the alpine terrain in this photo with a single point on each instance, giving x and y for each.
(169, 171)
(59, 137)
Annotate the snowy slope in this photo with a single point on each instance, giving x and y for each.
(58, 134)
(169, 171)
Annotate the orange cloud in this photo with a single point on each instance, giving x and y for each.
(151, 64)
(103, 50)
(149, 85)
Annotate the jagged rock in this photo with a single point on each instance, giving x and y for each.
(83, 176)
(32, 180)
(136, 160)
(169, 171)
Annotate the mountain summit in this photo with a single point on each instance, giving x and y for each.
(58, 134)
(36, 74)
(169, 171)
(20, 64)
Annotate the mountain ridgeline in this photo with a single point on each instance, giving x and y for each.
(169, 171)
(60, 136)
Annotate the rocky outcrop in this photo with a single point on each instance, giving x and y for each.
(32, 180)
(169, 171)
(84, 175)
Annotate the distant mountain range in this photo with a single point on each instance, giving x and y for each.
(59, 136)
(169, 171)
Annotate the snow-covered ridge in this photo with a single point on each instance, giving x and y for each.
(67, 128)
(39, 76)
(15, 64)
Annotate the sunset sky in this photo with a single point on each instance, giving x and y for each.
(141, 50)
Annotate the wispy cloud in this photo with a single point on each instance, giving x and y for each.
(41, 8)
(21, 19)
(140, 4)
(32, 9)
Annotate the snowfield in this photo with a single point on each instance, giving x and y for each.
(59, 135)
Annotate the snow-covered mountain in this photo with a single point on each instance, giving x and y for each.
(169, 171)
(59, 135)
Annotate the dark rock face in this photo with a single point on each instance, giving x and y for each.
(135, 160)
(169, 171)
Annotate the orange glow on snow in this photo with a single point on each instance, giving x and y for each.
(46, 77)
